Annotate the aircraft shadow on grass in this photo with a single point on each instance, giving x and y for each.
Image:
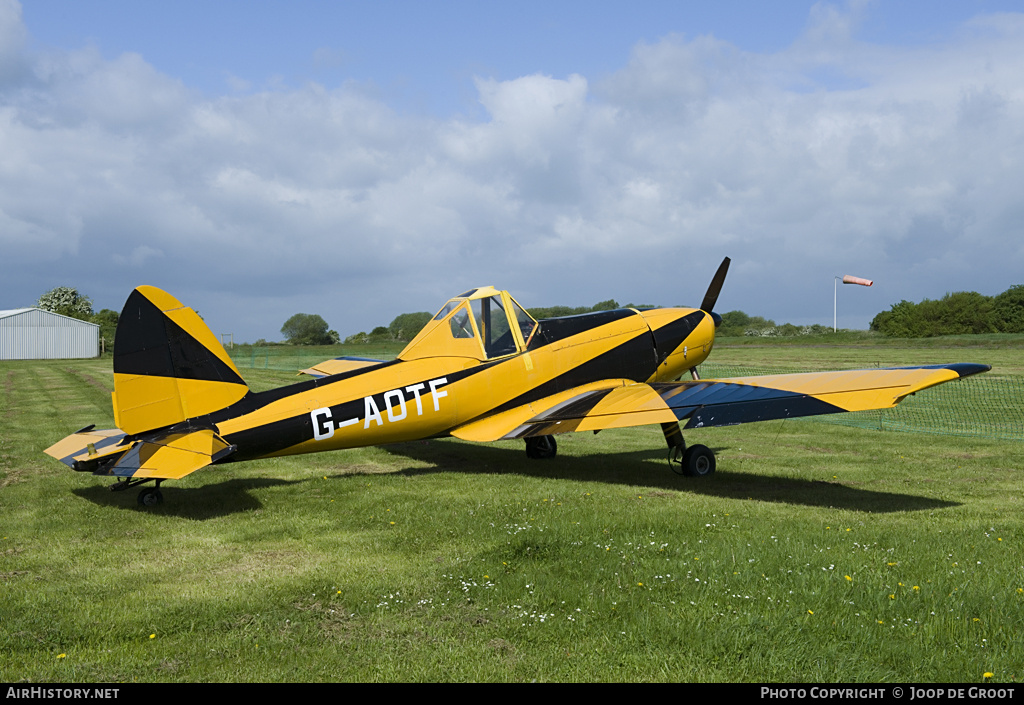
(649, 468)
(642, 467)
(199, 502)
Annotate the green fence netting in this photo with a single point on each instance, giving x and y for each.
(297, 357)
(987, 405)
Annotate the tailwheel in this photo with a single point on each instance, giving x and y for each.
(541, 447)
(698, 461)
(150, 497)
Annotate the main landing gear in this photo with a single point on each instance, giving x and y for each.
(695, 461)
(541, 447)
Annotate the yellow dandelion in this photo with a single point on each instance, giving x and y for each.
(975, 620)
(62, 655)
(892, 597)
(917, 587)
(640, 584)
(849, 578)
(987, 674)
(152, 636)
(392, 523)
(487, 577)
(881, 622)
(810, 612)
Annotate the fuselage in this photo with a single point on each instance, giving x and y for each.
(426, 393)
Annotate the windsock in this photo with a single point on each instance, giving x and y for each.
(857, 280)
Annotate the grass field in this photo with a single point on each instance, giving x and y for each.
(817, 552)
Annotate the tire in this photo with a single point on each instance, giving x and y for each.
(541, 447)
(698, 461)
(150, 497)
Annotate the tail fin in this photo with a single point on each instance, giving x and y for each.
(168, 365)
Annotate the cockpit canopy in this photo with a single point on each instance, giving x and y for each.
(482, 323)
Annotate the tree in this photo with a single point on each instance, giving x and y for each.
(407, 325)
(107, 321)
(307, 329)
(1008, 310)
(66, 301)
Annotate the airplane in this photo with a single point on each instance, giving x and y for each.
(483, 369)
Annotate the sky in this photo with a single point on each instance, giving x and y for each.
(359, 160)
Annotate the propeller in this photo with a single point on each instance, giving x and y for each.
(711, 297)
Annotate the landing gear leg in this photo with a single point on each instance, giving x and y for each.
(695, 461)
(676, 446)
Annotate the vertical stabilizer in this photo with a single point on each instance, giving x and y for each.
(168, 365)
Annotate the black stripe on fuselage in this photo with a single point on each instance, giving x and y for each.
(278, 435)
(671, 336)
(632, 359)
(554, 329)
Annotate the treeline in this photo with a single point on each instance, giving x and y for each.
(737, 323)
(959, 313)
(405, 327)
(953, 314)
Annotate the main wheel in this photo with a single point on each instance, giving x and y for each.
(150, 497)
(698, 461)
(541, 447)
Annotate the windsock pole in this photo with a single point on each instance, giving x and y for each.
(847, 279)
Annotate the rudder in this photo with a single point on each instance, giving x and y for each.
(168, 365)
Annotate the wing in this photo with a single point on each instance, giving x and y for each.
(339, 365)
(170, 456)
(716, 402)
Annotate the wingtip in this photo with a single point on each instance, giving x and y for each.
(966, 369)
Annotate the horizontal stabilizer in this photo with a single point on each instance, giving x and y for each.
(87, 448)
(169, 457)
(340, 365)
(172, 457)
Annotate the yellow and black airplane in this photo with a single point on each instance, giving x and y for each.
(482, 370)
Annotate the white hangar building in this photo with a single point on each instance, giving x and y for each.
(35, 334)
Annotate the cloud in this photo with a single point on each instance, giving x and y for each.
(12, 41)
(830, 157)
